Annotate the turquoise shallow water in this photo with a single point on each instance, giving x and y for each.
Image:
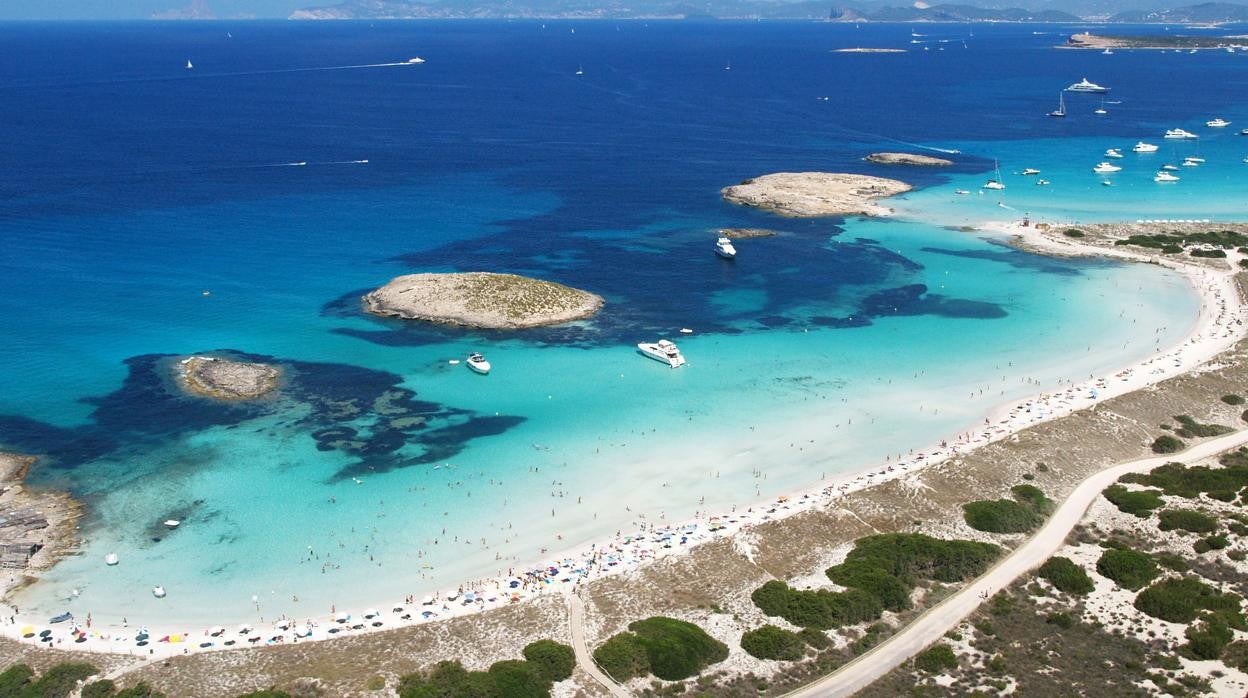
(817, 352)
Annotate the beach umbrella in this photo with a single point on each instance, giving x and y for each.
(427, 614)
(164, 639)
(371, 613)
(283, 624)
(342, 617)
(28, 631)
(45, 633)
(205, 644)
(175, 638)
(216, 631)
(244, 629)
(427, 601)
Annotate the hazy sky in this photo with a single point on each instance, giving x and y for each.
(142, 9)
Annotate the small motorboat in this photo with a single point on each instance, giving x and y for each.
(1113, 153)
(1194, 158)
(1165, 177)
(158, 592)
(1031, 171)
(1170, 168)
(61, 618)
(686, 330)
(415, 61)
(172, 523)
(1106, 167)
(111, 559)
(1106, 183)
(961, 192)
(1218, 123)
(477, 363)
(664, 351)
(1143, 147)
(1042, 182)
(1180, 134)
(724, 248)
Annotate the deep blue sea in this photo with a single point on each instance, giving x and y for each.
(148, 211)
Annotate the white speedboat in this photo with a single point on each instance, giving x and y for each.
(1218, 123)
(1194, 158)
(1143, 147)
(1106, 183)
(1085, 85)
(1243, 131)
(1104, 167)
(724, 248)
(1042, 182)
(158, 592)
(111, 559)
(961, 192)
(1180, 134)
(172, 523)
(663, 350)
(189, 65)
(1169, 167)
(1164, 176)
(415, 61)
(1108, 52)
(477, 363)
(1188, 162)
(1031, 171)
(1113, 153)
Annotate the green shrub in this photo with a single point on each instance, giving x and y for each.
(770, 642)
(1191, 429)
(1233, 399)
(1000, 516)
(820, 608)
(1168, 444)
(104, 688)
(623, 657)
(1236, 655)
(1188, 520)
(553, 661)
(1061, 619)
(1180, 600)
(59, 680)
(1033, 497)
(15, 679)
(1217, 542)
(935, 659)
(1206, 640)
(1129, 569)
(1073, 233)
(1141, 503)
(1172, 562)
(817, 639)
(274, 693)
(891, 592)
(1067, 576)
(677, 649)
(516, 678)
(1178, 480)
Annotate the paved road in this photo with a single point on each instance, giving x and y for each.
(576, 618)
(935, 622)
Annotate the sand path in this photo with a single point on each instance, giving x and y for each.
(576, 619)
(932, 625)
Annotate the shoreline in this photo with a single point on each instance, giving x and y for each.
(1218, 326)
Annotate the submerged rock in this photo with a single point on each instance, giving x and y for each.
(225, 379)
(482, 300)
(812, 194)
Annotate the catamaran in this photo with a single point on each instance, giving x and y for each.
(995, 183)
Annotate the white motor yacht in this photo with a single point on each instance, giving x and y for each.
(1085, 85)
(477, 363)
(1170, 168)
(1164, 176)
(1031, 171)
(1218, 123)
(724, 248)
(1194, 158)
(1180, 134)
(1106, 167)
(663, 350)
(1113, 153)
(1143, 147)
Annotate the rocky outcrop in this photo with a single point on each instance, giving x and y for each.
(224, 379)
(813, 194)
(482, 300)
(907, 159)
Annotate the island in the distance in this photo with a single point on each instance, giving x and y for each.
(216, 377)
(907, 159)
(482, 300)
(746, 233)
(813, 194)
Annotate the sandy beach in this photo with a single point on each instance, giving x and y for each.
(1219, 326)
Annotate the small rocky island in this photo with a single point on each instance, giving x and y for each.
(220, 378)
(37, 528)
(907, 159)
(482, 300)
(746, 233)
(813, 194)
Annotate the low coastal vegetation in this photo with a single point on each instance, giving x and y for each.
(1064, 574)
(545, 663)
(1168, 444)
(1140, 503)
(61, 680)
(771, 642)
(936, 659)
(1188, 520)
(1175, 243)
(1183, 599)
(1018, 515)
(1129, 569)
(668, 648)
(1179, 480)
(1191, 429)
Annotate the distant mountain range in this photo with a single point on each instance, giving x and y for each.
(1128, 11)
